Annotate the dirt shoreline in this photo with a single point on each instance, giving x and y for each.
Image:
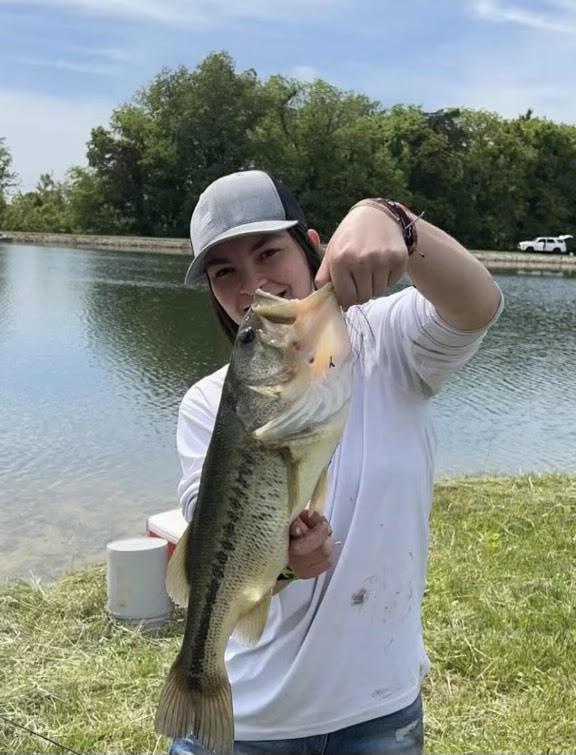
(495, 261)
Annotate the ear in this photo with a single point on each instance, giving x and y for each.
(314, 238)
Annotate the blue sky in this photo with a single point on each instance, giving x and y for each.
(66, 64)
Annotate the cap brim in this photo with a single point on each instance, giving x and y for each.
(195, 272)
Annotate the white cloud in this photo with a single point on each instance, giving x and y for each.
(166, 11)
(512, 98)
(97, 69)
(105, 53)
(506, 79)
(47, 134)
(557, 16)
(190, 12)
(509, 79)
(569, 5)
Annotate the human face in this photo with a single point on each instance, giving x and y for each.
(273, 262)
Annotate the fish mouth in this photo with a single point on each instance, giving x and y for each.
(313, 336)
(312, 328)
(282, 296)
(260, 297)
(318, 306)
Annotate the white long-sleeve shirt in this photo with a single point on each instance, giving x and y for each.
(347, 646)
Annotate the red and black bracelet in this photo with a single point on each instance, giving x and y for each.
(400, 214)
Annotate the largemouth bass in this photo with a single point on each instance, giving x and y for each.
(283, 408)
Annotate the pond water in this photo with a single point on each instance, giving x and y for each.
(97, 349)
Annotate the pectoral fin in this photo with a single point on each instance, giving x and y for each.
(177, 584)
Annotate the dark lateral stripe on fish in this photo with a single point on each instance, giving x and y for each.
(227, 548)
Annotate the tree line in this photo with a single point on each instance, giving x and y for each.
(488, 180)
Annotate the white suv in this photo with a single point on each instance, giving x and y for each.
(552, 244)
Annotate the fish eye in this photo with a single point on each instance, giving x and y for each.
(247, 335)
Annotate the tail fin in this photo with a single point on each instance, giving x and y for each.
(202, 713)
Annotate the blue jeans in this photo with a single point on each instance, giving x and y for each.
(400, 733)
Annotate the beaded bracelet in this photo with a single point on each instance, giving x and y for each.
(287, 573)
(399, 213)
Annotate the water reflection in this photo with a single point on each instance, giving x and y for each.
(97, 349)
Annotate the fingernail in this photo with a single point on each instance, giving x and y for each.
(298, 531)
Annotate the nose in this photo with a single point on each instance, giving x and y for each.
(250, 280)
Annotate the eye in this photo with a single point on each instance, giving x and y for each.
(223, 272)
(267, 253)
(247, 335)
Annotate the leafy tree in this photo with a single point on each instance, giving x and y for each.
(89, 206)
(494, 197)
(487, 180)
(549, 181)
(7, 177)
(427, 149)
(326, 145)
(179, 134)
(43, 210)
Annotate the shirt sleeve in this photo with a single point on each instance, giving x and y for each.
(420, 349)
(196, 419)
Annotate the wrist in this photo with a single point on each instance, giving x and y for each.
(399, 214)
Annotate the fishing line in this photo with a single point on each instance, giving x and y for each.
(35, 733)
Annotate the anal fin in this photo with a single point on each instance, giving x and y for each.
(251, 625)
(318, 500)
(177, 584)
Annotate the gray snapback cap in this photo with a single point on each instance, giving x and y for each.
(238, 204)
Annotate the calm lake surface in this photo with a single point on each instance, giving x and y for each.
(97, 349)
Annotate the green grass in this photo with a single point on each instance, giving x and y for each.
(500, 616)
(499, 623)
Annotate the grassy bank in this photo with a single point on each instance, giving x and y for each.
(499, 618)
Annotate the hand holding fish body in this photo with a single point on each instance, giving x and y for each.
(282, 412)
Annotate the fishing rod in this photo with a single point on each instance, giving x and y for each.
(35, 733)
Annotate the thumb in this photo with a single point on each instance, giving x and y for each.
(323, 274)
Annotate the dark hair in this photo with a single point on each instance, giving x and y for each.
(313, 258)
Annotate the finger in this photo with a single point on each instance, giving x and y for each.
(327, 547)
(381, 280)
(311, 518)
(323, 274)
(322, 552)
(298, 527)
(344, 286)
(362, 276)
(395, 274)
(310, 541)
